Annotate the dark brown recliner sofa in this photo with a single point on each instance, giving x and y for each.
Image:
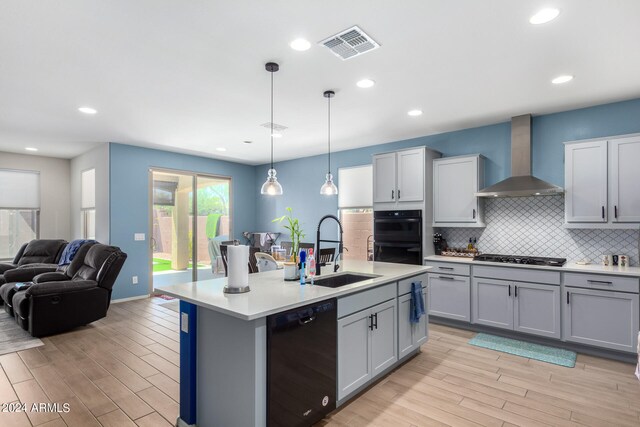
(27, 273)
(58, 302)
(43, 254)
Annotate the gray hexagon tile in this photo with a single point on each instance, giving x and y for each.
(534, 226)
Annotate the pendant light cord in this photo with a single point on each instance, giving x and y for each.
(329, 132)
(272, 120)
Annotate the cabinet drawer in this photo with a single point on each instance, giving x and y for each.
(362, 300)
(404, 285)
(601, 281)
(449, 268)
(517, 274)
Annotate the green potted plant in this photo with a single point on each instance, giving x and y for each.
(294, 229)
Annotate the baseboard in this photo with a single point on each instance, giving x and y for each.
(115, 301)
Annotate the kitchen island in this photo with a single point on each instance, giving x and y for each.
(223, 337)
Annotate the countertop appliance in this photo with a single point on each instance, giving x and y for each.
(301, 364)
(397, 236)
(518, 259)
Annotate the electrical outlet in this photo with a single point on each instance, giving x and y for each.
(138, 237)
(184, 323)
(134, 280)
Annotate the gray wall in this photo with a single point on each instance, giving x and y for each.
(97, 159)
(55, 198)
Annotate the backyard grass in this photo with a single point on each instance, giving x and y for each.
(160, 265)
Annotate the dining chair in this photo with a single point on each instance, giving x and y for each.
(265, 262)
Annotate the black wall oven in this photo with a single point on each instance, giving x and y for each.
(397, 236)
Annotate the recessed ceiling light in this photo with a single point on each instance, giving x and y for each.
(87, 110)
(495, 195)
(537, 194)
(276, 135)
(30, 149)
(415, 113)
(300, 45)
(544, 16)
(365, 83)
(562, 79)
(221, 149)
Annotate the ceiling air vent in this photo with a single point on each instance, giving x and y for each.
(276, 127)
(350, 43)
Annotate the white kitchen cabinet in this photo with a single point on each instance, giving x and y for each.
(367, 345)
(410, 175)
(536, 309)
(411, 335)
(455, 182)
(449, 296)
(531, 308)
(384, 177)
(624, 176)
(492, 303)
(586, 182)
(601, 318)
(601, 179)
(399, 177)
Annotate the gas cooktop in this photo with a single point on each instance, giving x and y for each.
(518, 259)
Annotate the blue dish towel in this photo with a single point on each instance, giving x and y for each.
(70, 251)
(417, 303)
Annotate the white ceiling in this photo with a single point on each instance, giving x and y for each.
(189, 75)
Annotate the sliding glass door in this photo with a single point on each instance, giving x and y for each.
(187, 226)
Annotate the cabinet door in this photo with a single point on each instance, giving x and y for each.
(420, 332)
(601, 318)
(449, 296)
(624, 176)
(492, 303)
(455, 182)
(384, 344)
(405, 328)
(354, 352)
(586, 182)
(411, 175)
(384, 177)
(537, 309)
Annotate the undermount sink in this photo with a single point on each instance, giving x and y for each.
(342, 279)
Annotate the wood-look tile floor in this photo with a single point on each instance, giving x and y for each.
(123, 371)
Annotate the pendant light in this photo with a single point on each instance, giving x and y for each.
(271, 186)
(329, 188)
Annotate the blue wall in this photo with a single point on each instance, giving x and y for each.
(129, 194)
(302, 178)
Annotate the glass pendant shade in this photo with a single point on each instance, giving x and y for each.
(271, 186)
(329, 188)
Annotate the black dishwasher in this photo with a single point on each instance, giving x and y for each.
(301, 365)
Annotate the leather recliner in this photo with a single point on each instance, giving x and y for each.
(57, 302)
(44, 253)
(26, 273)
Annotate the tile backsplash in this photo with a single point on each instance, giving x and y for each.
(534, 226)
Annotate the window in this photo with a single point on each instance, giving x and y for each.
(355, 201)
(19, 210)
(88, 204)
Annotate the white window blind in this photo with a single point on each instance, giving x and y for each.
(19, 189)
(355, 187)
(88, 200)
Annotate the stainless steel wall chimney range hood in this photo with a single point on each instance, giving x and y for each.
(521, 183)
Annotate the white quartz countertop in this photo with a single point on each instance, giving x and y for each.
(568, 267)
(270, 294)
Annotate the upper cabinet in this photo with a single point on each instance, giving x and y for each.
(399, 177)
(455, 182)
(600, 183)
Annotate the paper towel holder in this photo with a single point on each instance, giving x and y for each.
(234, 290)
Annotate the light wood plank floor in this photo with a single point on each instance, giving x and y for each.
(123, 371)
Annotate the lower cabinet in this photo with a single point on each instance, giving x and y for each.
(601, 318)
(449, 296)
(524, 307)
(367, 345)
(411, 335)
